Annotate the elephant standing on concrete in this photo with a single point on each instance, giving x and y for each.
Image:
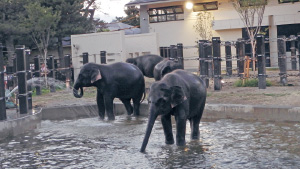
(164, 67)
(119, 80)
(146, 63)
(181, 94)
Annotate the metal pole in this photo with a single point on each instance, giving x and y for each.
(282, 59)
(85, 57)
(22, 79)
(180, 54)
(241, 57)
(14, 78)
(293, 53)
(103, 57)
(261, 61)
(37, 74)
(228, 58)
(52, 73)
(217, 62)
(29, 76)
(209, 59)
(298, 39)
(67, 59)
(2, 87)
(161, 51)
(203, 62)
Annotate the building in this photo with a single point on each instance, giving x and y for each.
(173, 21)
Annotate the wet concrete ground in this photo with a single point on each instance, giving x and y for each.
(91, 143)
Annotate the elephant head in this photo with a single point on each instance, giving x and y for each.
(164, 67)
(162, 98)
(89, 74)
(131, 60)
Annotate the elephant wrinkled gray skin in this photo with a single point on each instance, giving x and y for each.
(146, 63)
(164, 67)
(181, 94)
(119, 80)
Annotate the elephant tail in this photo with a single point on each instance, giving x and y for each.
(143, 96)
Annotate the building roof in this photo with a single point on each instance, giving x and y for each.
(128, 29)
(144, 2)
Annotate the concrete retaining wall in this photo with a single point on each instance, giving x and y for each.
(212, 111)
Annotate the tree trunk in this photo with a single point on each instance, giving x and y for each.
(60, 51)
(9, 42)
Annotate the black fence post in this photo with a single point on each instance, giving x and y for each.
(37, 74)
(67, 59)
(173, 52)
(209, 59)
(161, 51)
(29, 76)
(261, 61)
(240, 57)
(228, 58)
(298, 39)
(282, 59)
(85, 57)
(293, 53)
(22, 79)
(217, 62)
(203, 62)
(52, 73)
(180, 54)
(2, 87)
(103, 57)
(14, 78)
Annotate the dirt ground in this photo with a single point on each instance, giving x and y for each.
(229, 94)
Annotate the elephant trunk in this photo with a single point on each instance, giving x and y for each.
(75, 90)
(151, 122)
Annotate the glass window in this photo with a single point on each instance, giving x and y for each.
(171, 13)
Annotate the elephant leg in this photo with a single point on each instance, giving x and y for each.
(136, 106)
(180, 126)
(109, 107)
(127, 105)
(100, 104)
(167, 126)
(195, 128)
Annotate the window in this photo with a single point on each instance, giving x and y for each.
(171, 13)
(205, 6)
(246, 3)
(287, 1)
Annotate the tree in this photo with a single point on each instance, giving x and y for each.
(132, 18)
(251, 13)
(76, 18)
(11, 12)
(41, 23)
(203, 25)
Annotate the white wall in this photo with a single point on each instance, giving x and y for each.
(140, 44)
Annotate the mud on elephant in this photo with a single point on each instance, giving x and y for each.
(181, 94)
(119, 80)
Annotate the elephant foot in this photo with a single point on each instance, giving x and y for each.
(111, 117)
(169, 141)
(195, 137)
(180, 143)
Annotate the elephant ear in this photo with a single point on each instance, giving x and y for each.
(165, 70)
(96, 75)
(177, 96)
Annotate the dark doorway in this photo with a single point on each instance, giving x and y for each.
(288, 30)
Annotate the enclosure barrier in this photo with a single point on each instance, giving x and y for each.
(282, 60)
(2, 87)
(261, 61)
(29, 76)
(217, 62)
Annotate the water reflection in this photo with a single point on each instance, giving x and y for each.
(92, 143)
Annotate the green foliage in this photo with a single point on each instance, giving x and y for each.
(203, 25)
(132, 18)
(249, 83)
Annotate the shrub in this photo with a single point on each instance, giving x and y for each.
(250, 83)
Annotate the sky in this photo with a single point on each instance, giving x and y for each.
(109, 9)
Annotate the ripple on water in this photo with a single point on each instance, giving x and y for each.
(92, 143)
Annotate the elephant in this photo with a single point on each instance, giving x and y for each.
(164, 67)
(146, 63)
(181, 94)
(119, 80)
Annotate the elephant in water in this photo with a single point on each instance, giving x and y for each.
(181, 94)
(119, 80)
(146, 63)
